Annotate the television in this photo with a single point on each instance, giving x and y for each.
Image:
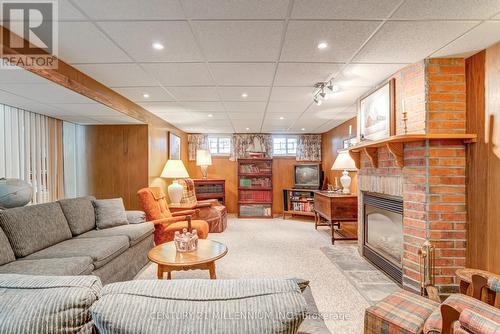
(307, 176)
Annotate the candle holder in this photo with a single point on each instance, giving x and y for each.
(187, 241)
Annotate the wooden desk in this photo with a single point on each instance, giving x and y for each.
(332, 209)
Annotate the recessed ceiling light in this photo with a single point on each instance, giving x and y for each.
(322, 45)
(244, 95)
(248, 129)
(303, 129)
(145, 95)
(210, 115)
(281, 117)
(158, 46)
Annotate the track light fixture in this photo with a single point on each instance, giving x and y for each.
(321, 94)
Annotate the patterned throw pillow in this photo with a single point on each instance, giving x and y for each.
(109, 213)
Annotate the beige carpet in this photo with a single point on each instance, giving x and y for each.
(284, 249)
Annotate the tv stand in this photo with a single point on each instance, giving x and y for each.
(298, 202)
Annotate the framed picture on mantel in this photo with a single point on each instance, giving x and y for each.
(377, 113)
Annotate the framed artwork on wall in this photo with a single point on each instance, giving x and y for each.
(174, 147)
(377, 113)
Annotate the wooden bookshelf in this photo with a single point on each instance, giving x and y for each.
(298, 202)
(255, 188)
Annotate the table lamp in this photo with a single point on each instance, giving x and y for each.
(344, 163)
(174, 169)
(203, 159)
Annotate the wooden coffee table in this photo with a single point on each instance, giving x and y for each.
(168, 259)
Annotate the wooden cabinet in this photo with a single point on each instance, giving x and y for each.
(255, 188)
(210, 189)
(335, 210)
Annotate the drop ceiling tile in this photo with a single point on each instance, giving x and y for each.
(481, 37)
(68, 12)
(327, 113)
(137, 38)
(366, 74)
(252, 125)
(234, 93)
(116, 120)
(344, 38)
(87, 109)
(284, 108)
(216, 126)
(446, 9)
(342, 9)
(90, 46)
(223, 9)
(292, 94)
(19, 75)
(203, 106)
(497, 17)
(136, 94)
(245, 116)
(408, 42)
(328, 126)
(179, 119)
(239, 40)
(250, 107)
(202, 116)
(275, 118)
(304, 74)
(306, 122)
(194, 93)
(162, 107)
(132, 9)
(118, 75)
(180, 74)
(48, 93)
(243, 74)
(20, 102)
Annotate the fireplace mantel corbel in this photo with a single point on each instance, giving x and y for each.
(394, 144)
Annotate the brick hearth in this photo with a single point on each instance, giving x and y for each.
(432, 183)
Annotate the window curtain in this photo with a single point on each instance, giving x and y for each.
(31, 150)
(309, 148)
(196, 142)
(243, 144)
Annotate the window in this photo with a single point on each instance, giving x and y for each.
(219, 145)
(284, 145)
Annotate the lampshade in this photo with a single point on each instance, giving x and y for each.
(203, 158)
(344, 162)
(174, 169)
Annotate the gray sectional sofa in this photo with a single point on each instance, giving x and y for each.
(61, 238)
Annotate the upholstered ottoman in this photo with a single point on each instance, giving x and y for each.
(402, 312)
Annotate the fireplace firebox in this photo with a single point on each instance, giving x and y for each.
(383, 233)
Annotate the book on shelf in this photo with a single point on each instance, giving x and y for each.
(303, 206)
(263, 196)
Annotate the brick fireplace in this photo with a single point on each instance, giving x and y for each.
(431, 184)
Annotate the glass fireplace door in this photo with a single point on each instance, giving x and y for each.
(384, 233)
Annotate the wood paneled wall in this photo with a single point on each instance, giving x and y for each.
(116, 160)
(332, 142)
(483, 172)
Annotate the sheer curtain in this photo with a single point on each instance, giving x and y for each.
(196, 142)
(31, 150)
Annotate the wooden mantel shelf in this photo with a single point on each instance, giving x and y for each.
(395, 145)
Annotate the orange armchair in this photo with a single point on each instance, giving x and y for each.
(166, 223)
(214, 213)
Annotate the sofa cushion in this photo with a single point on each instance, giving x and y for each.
(6, 252)
(476, 323)
(101, 250)
(109, 213)
(134, 232)
(156, 306)
(460, 303)
(47, 304)
(79, 213)
(50, 267)
(34, 227)
(136, 217)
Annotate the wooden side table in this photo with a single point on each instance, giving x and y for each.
(333, 209)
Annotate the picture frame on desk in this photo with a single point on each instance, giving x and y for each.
(377, 113)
